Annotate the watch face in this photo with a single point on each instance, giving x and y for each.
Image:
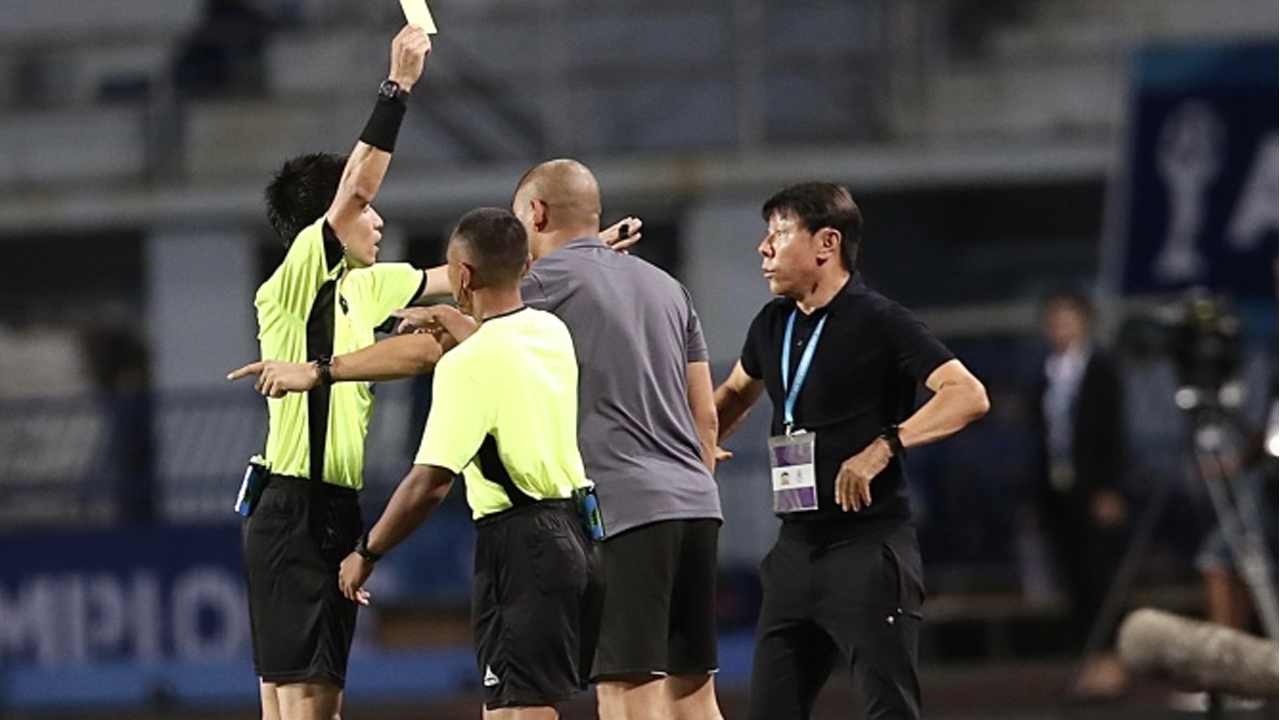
(389, 89)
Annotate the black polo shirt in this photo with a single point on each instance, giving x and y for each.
(872, 356)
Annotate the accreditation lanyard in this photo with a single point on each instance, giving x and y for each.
(792, 389)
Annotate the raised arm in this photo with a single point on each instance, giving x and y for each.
(368, 162)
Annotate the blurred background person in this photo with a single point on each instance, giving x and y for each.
(116, 355)
(1081, 430)
(1250, 472)
(226, 53)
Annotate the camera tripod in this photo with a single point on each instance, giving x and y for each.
(1212, 433)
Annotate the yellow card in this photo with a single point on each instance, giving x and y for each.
(416, 12)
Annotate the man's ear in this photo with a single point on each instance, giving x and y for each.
(541, 214)
(464, 277)
(829, 241)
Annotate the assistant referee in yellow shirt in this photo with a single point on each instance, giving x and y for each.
(504, 413)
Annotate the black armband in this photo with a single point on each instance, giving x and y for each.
(384, 122)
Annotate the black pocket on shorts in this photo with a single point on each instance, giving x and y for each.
(558, 563)
(336, 526)
(267, 532)
(275, 503)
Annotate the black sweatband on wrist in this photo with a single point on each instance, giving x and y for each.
(384, 124)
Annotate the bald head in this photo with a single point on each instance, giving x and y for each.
(564, 184)
(557, 201)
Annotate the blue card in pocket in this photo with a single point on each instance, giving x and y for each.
(589, 511)
(255, 481)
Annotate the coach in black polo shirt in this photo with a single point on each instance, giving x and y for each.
(842, 364)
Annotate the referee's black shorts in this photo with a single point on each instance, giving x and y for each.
(293, 543)
(659, 612)
(539, 584)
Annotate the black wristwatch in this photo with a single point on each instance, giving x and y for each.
(324, 366)
(890, 435)
(391, 90)
(362, 549)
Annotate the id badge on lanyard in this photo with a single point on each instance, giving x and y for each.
(795, 485)
(791, 456)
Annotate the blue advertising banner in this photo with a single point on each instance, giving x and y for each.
(178, 592)
(139, 595)
(1196, 204)
(116, 618)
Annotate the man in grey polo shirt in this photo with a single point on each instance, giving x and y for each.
(647, 430)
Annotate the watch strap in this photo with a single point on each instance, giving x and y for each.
(324, 366)
(392, 90)
(362, 549)
(890, 435)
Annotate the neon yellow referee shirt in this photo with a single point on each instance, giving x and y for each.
(313, 306)
(508, 394)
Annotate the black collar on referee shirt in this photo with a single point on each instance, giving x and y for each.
(513, 311)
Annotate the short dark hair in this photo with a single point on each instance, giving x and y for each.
(498, 244)
(819, 205)
(302, 191)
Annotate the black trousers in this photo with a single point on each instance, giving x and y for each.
(853, 604)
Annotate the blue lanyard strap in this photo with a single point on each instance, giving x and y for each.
(802, 370)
